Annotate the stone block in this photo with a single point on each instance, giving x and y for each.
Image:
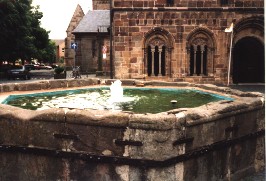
(247, 3)
(239, 4)
(133, 29)
(200, 3)
(138, 3)
(54, 84)
(192, 4)
(118, 23)
(132, 22)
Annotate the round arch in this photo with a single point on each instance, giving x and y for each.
(252, 26)
(201, 46)
(248, 64)
(158, 31)
(157, 46)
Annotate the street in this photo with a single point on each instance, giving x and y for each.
(38, 75)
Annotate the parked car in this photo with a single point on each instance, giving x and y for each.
(19, 72)
(30, 67)
(42, 66)
(54, 66)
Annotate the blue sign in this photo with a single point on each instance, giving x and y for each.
(74, 46)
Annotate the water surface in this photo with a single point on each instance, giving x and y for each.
(138, 100)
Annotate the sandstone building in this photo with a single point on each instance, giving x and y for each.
(60, 49)
(70, 53)
(175, 40)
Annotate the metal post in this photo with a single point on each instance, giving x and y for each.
(111, 41)
(229, 61)
(74, 57)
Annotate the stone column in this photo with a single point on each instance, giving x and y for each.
(160, 62)
(201, 61)
(152, 61)
(195, 59)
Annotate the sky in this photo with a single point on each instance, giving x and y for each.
(58, 13)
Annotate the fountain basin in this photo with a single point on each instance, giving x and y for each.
(137, 100)
(215, 141)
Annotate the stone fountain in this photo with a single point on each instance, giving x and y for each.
(221, 140)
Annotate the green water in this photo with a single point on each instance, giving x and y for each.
(138, 100)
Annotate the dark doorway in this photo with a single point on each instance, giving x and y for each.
(248, 61)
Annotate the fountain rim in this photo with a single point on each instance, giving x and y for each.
(75, 84)
(5, 95)
(225, 97)
(243, 102)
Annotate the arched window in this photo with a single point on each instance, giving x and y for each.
(200, 46)
(157, 46)
(198, 60)
(156, 59)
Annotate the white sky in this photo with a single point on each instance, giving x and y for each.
(58, 13)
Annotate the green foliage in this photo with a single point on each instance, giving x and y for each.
(21, 35)
(59, 70)
(61, 60)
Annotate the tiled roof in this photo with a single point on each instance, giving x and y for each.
(94, 21)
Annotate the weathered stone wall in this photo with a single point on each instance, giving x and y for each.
(47, 84)
(218, 141)
(90, 52)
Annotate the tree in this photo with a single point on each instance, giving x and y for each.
(21, 36)
(49, 53)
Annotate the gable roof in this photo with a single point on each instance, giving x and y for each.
(77, 16)
(94, 21)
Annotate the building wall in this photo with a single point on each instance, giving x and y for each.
(70, 53)
(181, 27)
(100, 4)
(60, 51)
(89, 55)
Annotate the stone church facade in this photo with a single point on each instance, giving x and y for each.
(176, 40)
(70, 53)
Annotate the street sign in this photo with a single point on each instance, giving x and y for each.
(104, 50)
(74, 46)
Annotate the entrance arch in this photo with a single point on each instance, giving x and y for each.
(248, 61)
